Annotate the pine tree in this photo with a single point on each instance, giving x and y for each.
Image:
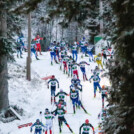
(83, 12)
(120, 119)
(7, 28)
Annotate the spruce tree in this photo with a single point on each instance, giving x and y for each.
(120, 119)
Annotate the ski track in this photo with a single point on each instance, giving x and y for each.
(34, 96)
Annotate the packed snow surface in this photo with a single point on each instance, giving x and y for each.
(34, 96)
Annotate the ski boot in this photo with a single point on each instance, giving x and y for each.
(37, 58)
(94, 95)
(51, 63)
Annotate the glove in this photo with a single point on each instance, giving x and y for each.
(90, 81)
(48, 87)
(58, 86)
(93, 132)
(31, 130)
(43, 130)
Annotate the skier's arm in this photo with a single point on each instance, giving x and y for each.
(48, 83)
(32, 127)
(57, 95)
(65, 93)
(57, 82)
(92, 128)
(80, 128)
(91, 78)
(54, 112)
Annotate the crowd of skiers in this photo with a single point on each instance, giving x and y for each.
(60, 53)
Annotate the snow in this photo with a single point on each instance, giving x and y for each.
(34, 96)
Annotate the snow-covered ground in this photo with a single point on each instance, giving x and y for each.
(34, 96)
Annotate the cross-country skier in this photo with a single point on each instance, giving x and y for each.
(86, 127)
(75, 69)
(63, 53)
(19, 45)
(61, 102)
(63, 43)
(83, 70)
(104, 94)
(49, 121)
(96, 80)
(53, 82)
(82, 44)
(76, 83)
(38, 127)
(52, 54)
(98, 60)
(97, 70)
(65, 61)
(74, 96)
(60, 112)
(102, 114)
(61, 95)
(38, 46)
(33, 49)
(74, 51)
(57, 51)
(70, 66)
(89, 52)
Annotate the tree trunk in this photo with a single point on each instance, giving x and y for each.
(4, 102)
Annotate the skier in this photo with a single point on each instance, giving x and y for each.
(76, 82)
(38, 127)
(63, 53)
(38, 46)
(104, 94)
(89, 52)
(82, 44)
(65, 60)
(70, 66)
(86, 127)
(49, 121)
(52, 54)
(61, 102)
(74, 51)
(53, 82)
(63, 43)
(83, 70)
(96, 80)
(57, 51)
(75, 69)
(98, 59)
(97, 70)
(74, 96)
(19, 45)
(33, 50)
(61, 94)
(21, 40)
(60, 112)
(102, 114)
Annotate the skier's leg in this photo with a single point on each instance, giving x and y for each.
(77, 74)
(82, 106)
(59, 121)
(40, 48)
(73, 102)
(95, 87)
(76, 55)
(51, 54)
(67, 125)
(102, 101)
(98, 85)
(73, 54)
